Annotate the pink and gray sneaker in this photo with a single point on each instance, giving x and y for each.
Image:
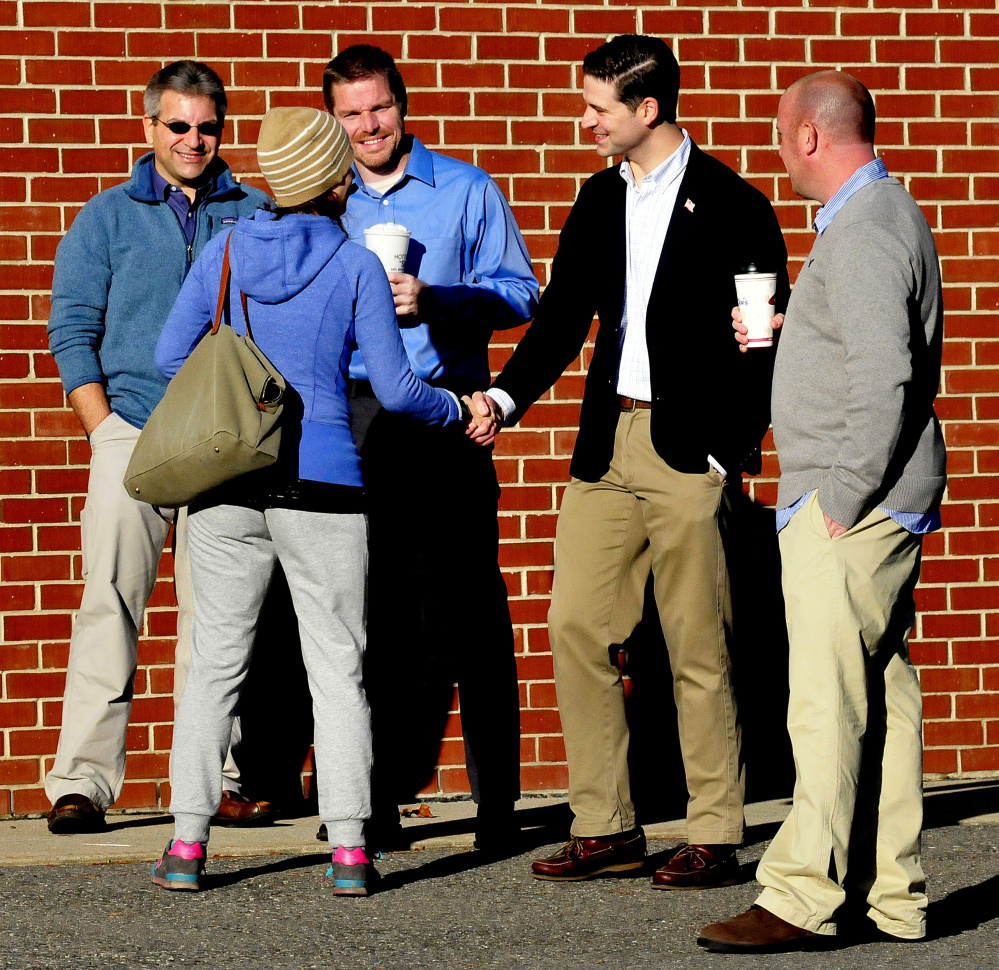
(181, 865)
(352, 873)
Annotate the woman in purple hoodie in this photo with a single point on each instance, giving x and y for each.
(312, 295)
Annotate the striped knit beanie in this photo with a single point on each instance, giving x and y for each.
(302, 152)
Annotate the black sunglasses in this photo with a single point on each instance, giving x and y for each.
(211, 128)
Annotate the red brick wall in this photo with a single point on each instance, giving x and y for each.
(496, 84)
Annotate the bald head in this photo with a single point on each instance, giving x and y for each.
(837, 104)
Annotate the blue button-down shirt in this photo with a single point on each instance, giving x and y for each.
(915, 522)
(466, 246)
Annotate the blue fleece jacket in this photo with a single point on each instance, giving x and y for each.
(313, 296)
(118, 271)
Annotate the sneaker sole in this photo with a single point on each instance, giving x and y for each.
(176, 884)
(351, 891)
(602, 871)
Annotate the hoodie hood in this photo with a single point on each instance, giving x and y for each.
(273, 260)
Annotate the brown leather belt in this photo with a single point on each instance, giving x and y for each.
(630, 404)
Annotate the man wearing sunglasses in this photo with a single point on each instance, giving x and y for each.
(117, 273)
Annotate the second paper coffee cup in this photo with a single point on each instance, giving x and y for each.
(390, 242)
(756, 293)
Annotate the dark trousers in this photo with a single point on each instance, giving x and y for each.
(437, 607)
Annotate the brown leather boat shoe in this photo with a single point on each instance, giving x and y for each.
(695, 866)
(75, 813)
(584, 858)
(236, 809)
(759, 931)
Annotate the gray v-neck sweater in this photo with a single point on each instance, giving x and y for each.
(858, 364)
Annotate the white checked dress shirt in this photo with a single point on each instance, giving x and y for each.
(649, 209)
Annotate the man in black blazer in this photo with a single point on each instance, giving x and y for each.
(672, 413)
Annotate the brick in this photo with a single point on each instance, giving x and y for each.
(934, 24)
(298, 45)
(939, 762)
(175, 44)
(38, 627)
(540, 76)
(950, 680)
(19, 771)
(131, 15)
(980, 759)
(228, 44)
(949, 733)
(604, 22)
(969, 51)
(738, 22)
(32, 685)
(334, 17)
(976, 652)
(537, 20)
(904, 51)
(433, 46)
(514, 47)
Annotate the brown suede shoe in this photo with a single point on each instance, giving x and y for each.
(75, 813)
(236, 809)
(699, 867)
(585, 858)
(758, 931)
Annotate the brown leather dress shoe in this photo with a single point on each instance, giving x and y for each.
(585, 858)
(75, 813)
(758, 931)
(695, 866)
(236, 809)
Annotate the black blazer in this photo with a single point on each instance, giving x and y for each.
(707, 397)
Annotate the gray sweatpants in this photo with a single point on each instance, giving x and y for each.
(324, 557)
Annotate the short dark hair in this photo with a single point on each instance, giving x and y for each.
(639, 67)
(359, 62)
(185, 77)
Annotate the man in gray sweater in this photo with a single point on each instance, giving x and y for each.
(862, 475)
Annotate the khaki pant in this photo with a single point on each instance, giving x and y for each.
(122, 540)
(853, 835)
(644, 515)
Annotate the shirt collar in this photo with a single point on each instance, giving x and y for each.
(419, 165)
(664, 172)
(162, 188)
(864, 175)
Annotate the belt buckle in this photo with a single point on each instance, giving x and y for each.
(626, 410)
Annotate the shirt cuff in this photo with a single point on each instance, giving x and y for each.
(506, 403)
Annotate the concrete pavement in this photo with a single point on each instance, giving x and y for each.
(81, 901)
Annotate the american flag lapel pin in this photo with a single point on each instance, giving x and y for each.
(688, 205)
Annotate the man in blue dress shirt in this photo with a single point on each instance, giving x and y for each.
(437, 602)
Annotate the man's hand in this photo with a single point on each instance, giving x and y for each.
(411, 295)
(487, 419)
(90, 403)
(834, 528)
(741, 330)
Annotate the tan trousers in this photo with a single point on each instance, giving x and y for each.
(122, 541)
(644, 515)
(853, 835)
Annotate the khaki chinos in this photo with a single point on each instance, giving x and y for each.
(642, 514)
(122, 541)
(854, 717)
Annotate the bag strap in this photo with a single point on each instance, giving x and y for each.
(224, 293)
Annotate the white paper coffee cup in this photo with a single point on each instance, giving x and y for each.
(390, 242)
(757, 293)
